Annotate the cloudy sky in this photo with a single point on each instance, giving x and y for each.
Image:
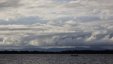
(56, 22)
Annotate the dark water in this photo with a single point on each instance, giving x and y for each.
(56, 58)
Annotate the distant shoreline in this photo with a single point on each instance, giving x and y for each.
(61, 52)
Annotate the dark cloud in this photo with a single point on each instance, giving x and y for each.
(10, 3)
(24, 21)
(68, 39)
(88, 18)
(79, 40)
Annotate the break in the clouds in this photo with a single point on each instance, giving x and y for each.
(56, 23)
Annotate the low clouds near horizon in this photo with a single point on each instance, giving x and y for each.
(56, 22)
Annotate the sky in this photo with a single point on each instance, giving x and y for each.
(56, 23)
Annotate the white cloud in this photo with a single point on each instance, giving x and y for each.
(50, 9)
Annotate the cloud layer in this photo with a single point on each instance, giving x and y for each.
(56, 22)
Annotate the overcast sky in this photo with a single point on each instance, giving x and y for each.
(66, 22)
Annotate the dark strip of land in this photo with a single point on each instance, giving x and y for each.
(61, 52)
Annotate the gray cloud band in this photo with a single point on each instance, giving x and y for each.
(56, 22)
